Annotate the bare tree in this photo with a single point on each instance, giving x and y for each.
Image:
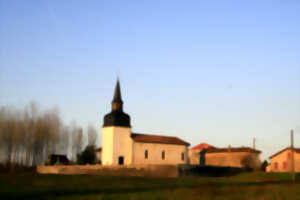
(92, 135)
(28, 136)
(77, 140)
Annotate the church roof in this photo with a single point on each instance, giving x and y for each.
(117, 94)
(117, 117)
(232, 149)
(146, 138)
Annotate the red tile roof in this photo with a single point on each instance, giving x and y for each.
(297, 150)
(232, 149)
(157, 139)
(202, 146)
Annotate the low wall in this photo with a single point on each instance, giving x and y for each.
(134, 170)
(209, 171)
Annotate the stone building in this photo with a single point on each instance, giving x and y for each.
(122, 147)
(195, 153)
(282, 160)
(226, 157)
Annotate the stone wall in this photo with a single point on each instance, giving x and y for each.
(233, 159)
(131, 170)
(227, 159)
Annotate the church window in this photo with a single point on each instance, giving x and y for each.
(182, 156)
(146, 154)
(163, 155)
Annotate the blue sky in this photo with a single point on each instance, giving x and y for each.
(220, 72)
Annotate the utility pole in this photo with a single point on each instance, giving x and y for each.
(292, 156)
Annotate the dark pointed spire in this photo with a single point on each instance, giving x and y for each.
(117, 103)
(117, 117)
(117, 94)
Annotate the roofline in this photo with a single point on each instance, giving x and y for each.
(232, 150)
(279, 152)
(256, 151)
(171, 143)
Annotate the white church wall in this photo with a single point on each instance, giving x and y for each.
(173, 153)
(107, 145)
(116, 142)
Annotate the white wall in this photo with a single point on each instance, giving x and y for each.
(116, 141)
(172, 153)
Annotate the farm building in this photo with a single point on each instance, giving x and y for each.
(122, 147)
(194, 152)
(206, 154)
(282, 160)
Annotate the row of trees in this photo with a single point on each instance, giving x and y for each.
(28, 136)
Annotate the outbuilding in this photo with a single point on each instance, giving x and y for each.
(282, 160)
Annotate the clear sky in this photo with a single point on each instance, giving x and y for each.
(220, 72)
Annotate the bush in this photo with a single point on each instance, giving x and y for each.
(264, 165)
(88, 156)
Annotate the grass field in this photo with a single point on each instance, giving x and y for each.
(248, 186)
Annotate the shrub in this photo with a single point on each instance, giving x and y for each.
(88, 156)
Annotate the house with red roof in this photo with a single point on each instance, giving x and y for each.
(206, 154)
(282, 160)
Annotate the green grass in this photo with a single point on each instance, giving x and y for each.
(248, 186)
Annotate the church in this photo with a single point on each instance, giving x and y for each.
(122, 147)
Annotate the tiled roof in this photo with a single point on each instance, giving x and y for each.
(232, 149)
(157, 139)
(202, 146)
(297, 150)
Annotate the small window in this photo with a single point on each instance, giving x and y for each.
(146, 154)
(276, 165)
(284, 165)
(289, 155)
(182, 156)
(163, 155)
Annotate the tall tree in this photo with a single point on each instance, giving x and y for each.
(92, 135)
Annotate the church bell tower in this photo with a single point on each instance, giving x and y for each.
(116, 133)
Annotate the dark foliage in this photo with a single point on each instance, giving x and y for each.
(209, 171)
(15, 168)
(88, 156)
(264, 165)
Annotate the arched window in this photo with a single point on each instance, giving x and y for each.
(146, 154)
(182, 156)
(163, 155)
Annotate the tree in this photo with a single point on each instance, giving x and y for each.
(88, 156)
(29, 136)
(76, 138)
(92, 135)
(251, 162)
(264, 165)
